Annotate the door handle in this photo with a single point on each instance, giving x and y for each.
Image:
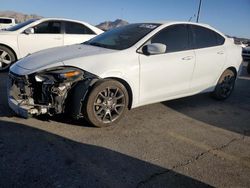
(220, 52)
(187, 58)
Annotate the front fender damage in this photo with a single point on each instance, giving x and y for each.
(28, 96)
(76, 97)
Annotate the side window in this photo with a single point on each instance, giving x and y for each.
(204, 38)
(76, 28)
(5, 21)
(174, 37)
(220, 39)
(50, 27)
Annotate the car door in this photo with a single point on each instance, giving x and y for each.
(167, 75)
(76, 33)
(210, 57)
(46, 35)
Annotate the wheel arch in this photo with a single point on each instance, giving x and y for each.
(232, 68)
(128, 88)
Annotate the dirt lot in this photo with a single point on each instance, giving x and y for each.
(190, 142)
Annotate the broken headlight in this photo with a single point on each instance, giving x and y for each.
(60, 74)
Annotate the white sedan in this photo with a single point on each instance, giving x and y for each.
(124, 68)
(38, 34)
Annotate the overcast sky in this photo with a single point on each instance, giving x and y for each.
(229, 16)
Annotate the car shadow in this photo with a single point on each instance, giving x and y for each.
(31, 157)
(232, 114)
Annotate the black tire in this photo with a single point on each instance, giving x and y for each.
(225, 85)
(106, 103)
(248, 68)
(7, 57)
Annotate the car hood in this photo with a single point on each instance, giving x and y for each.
(56, 56)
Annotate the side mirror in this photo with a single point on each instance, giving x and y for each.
(154, 48)
(29, 31)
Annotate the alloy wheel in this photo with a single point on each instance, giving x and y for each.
(227, 85)
(5, 60)
(109, 104)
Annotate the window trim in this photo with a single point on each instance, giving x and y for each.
(139, 50)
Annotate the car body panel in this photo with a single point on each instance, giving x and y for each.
(165, 75)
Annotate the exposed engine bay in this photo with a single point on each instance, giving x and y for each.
(46, 92)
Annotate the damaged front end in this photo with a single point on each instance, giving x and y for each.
(44, 92)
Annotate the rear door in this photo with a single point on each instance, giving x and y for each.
(210, 57)
(76, 33)
(47, 34)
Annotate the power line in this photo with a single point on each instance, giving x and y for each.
(198, 15)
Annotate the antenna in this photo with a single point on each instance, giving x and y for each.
(198, 15)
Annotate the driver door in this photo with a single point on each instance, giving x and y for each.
(46, 35)
(167, 75)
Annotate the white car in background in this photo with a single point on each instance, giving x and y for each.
(124, 68)
(7, 22)
(37, 34)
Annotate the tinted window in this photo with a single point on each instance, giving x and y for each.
(5, 21)
(76, 28)
(204, 37)
(52, 27)
(174, 37)
(122, 37)
(220, 39)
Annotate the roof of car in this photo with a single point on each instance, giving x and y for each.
(62, 19)
(179, 22)
(185, 22)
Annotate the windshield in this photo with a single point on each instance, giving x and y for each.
(122, 37)
(20, 25)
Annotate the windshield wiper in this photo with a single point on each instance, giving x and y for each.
(97, 44)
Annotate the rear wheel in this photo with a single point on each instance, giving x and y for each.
(225, 85)
(7, 57)
(106, 103)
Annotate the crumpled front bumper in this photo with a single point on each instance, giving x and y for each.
(23, 108)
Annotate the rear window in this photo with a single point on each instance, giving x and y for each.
(5, 21)
(77, 28)
(204, 38)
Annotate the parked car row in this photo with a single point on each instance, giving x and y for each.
(37, 34)
(120, 69)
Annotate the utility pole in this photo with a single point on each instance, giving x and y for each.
(198, 15)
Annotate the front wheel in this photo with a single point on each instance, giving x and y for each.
(106, 103)
(7, 57)
(225, 85)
